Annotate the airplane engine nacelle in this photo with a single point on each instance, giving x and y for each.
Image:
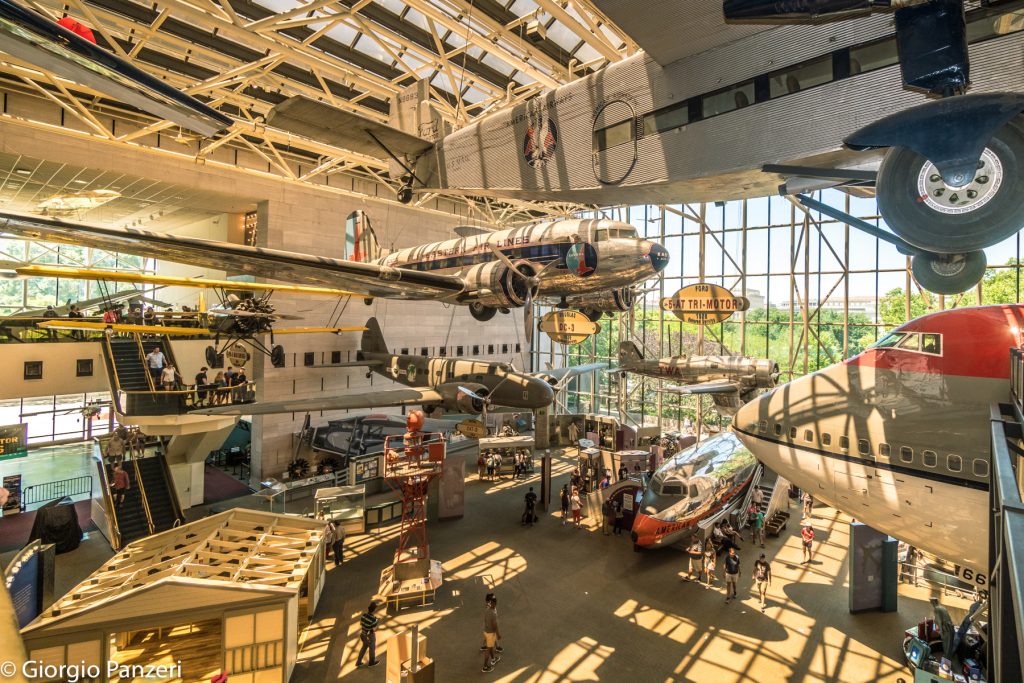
(496, 285)
(766, 373)
(605, 302)
(458, 401)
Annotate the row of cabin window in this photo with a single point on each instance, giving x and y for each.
(309, 359)
(954, 463)
(839, 64)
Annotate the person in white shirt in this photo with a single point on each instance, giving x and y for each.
(167, 378)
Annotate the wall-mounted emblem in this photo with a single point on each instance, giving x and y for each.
(568, 327)
(581, 259)
(540, 141)
(704, 304)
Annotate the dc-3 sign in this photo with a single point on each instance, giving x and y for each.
(704, 304)
(472, 429)
(568, 327)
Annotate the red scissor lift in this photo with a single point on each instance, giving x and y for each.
(410, 463)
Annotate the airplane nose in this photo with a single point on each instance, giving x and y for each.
(746, 416)
(659, 257)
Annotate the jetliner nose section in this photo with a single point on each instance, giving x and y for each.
(746, 416)
(659, 257)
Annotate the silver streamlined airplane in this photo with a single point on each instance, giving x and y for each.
(591, 265)
(730, 380)
(454, 385)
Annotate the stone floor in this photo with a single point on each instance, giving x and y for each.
(575, 605)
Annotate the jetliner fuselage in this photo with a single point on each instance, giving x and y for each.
(898, 436)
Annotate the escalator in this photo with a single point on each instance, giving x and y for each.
(160, 494)
(150, 505)
(131, 386)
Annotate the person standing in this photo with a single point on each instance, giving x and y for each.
(762, 578)
(607, 515)
(564, 500)
(709, 562)
(623, 472)
(696, 555)
(620, 515)
(531, 501)
(368, 635)
(491, 633)
(481, 466)
(168, 376)
(732, 574)
(335, 538)
(202, 380)
(758, 497)
(807, 536)
(155, 362)
(808, 501)
(758, 526)
(120, 485)
(577, 507)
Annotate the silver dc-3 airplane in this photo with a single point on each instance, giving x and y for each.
(590, 265)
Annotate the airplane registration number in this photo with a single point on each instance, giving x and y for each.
(968, 575)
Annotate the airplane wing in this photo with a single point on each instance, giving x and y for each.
(367, 397)
(325, 123)
(715, 386)
(364, 279)
(563, 375)
(72, 324)
(319, 330)
(170, 280)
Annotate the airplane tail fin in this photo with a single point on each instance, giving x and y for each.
(629, 353)
(412, 113)
(360, 240)
(373, 338)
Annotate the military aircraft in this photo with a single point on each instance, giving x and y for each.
(899, 435)
(454, 385)
(730, 380)
(592, 265)
(236, 319)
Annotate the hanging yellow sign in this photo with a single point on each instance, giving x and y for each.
(237, 355)
(568, 327)
(472, 429)
(704, 304)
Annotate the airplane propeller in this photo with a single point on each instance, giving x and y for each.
(532, 285)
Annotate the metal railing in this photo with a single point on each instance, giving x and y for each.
(53, 490)
(1006, 533)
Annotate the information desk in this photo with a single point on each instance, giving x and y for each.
(344, 505)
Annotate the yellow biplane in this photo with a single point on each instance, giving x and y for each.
(237, 318)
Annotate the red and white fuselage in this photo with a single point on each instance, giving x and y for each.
(899, 435)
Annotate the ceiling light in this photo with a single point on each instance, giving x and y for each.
(23, 171)
(80, 182)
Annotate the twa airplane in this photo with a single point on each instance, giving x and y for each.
(590, 265)
(898, 436)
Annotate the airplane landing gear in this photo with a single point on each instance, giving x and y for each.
(277, 356)
(948, 273)
(592, 314)
(481, 312)
(920, 206)
(211, 357)
(405, 194)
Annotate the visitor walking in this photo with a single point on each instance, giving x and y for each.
(620, 515)
(155, 362)
(528, 514)
(807, 536)
(709, 562)
(732, 574)
(564, 500)
(120, 485)
(696, 555)
(368, 635)
(757, 535)
(808, 501)
(577, 507)
(491, 633)
(762, 578)
(607, 517)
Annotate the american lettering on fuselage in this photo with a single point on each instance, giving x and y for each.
(898, 436)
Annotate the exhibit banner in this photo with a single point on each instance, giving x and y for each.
(704, 304)
(13, 439)
(12, 482)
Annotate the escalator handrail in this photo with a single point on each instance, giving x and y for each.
(142, 495)
(112, 526)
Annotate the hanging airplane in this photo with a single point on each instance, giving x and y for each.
(237, 319)
(591, 265)
(793, 102)
(439, 384)
(899, 436)
(730, 380)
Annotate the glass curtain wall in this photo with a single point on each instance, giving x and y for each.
(819, 292)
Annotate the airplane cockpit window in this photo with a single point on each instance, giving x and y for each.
(888, 341)
(912, 342)
(615, 233)
(931, 343)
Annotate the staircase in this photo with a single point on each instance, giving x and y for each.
(130, 365)
(160, 494)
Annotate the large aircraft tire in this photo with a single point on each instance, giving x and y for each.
(481, 312)
(592, 314)
(919, 207)
(949, 273)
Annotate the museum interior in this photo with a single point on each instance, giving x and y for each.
(326, 324)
